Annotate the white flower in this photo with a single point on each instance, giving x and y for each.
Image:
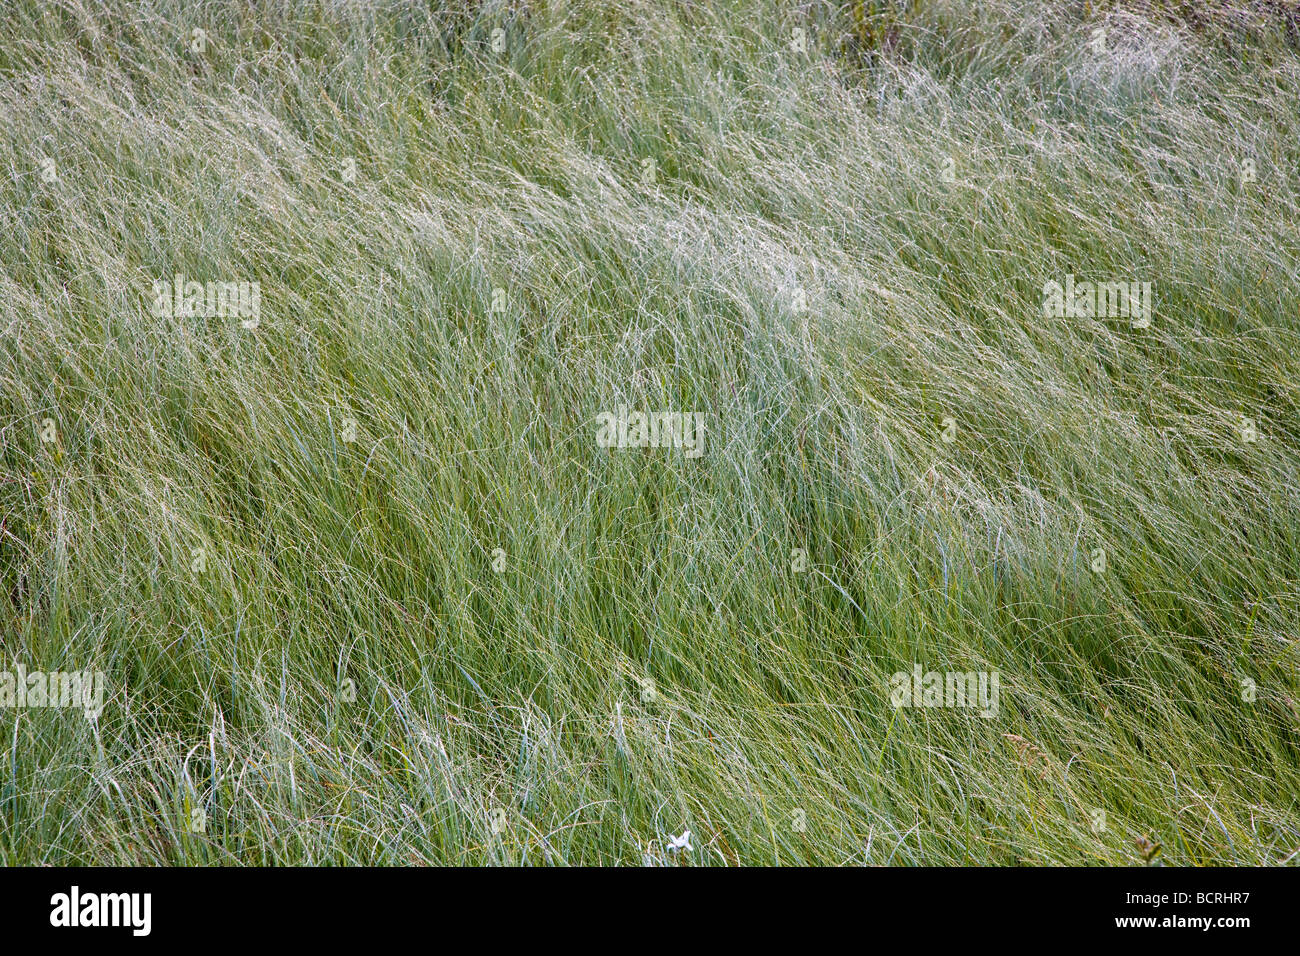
(682, 842)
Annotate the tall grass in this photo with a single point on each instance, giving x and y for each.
(471, 635)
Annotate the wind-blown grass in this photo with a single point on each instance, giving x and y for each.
(308, 639)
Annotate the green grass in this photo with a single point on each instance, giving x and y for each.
(308, 639)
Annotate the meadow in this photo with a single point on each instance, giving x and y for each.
(312, 314)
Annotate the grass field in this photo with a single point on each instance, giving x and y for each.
(365, 583)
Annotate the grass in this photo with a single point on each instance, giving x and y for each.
(470, 634)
